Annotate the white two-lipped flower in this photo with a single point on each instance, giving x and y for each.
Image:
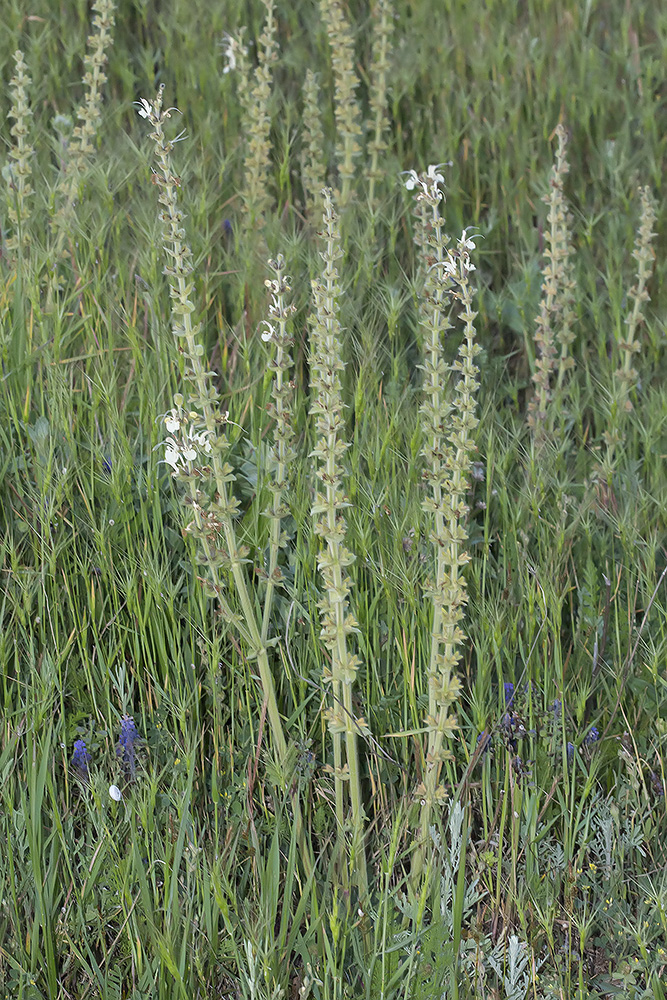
(466, 242)
(147, 110)
(269, 332)
(178, 453)
(144, 107)
(433, 175)
(426, 181)
(184, 444)
(229, 51)
(412, 179)
(172, 421)
(448, 265)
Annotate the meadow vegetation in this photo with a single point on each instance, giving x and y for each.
(332, 427)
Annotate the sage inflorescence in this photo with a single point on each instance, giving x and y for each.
(254, 98)
(81, 147)
(282, 453)
(126, 747)
(644, 255)
(346, 105)
(18, 173)
(313, 163)
(625, 378)
(81, 758)
(554, 324)
(448, 425)
(338, 624)
(197, 446)
(377, 128)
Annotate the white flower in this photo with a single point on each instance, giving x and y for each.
(145, 109)
(433, 175)
(449, 265)
(266, 337)
(202, 441)
(177, 453)
(229, 47)
(172, 421)
(412, 181)
(466, 242)
(115, 793)
(172, 454)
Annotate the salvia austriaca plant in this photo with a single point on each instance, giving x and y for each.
(346, 106)
(448, 427)
(313, 162)
(81, 145)
(197, 444)
(644, 254)
(282, 452)
(554, 323)
(18, 173)
(383, 13)
(626, 375)
(255, 99)
(338, 624)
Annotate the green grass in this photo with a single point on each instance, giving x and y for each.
(545, 873)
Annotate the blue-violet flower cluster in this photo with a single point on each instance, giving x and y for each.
(126, 744)
(81, 758)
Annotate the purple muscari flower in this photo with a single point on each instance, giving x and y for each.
(593, 736)
(80, 758)
(509, 692)
(570, 752)
(125, 748)
(106, 464)
(555, 708)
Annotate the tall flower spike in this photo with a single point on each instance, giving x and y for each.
(346, 105)
(19, 189)
(383, 26)
(448, 428)
(626, 376)
(82, 146)
(282, 451)
(556, 315)
(212, 518)
(644, 254)
(330, 500)
(257, 160)
(313, 168)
